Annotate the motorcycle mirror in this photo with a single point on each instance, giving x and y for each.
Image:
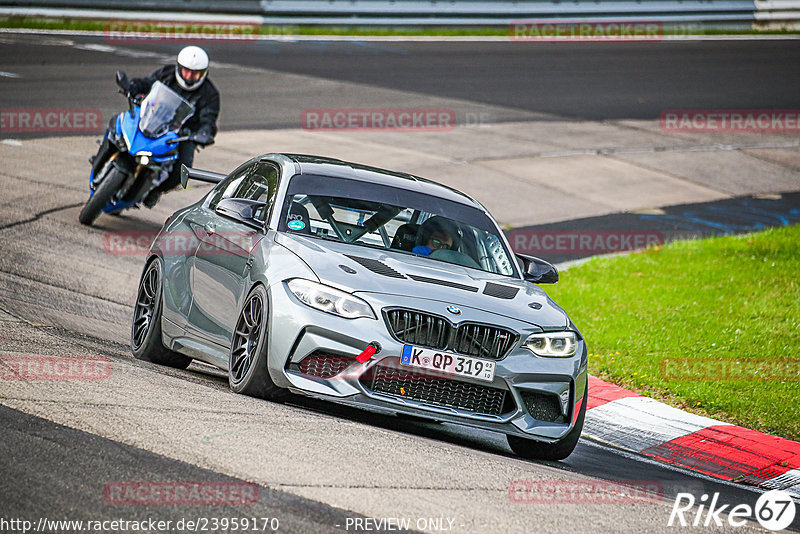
(122, 79)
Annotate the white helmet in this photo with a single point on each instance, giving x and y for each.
(194, 59)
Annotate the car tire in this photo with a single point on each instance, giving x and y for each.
(102, 195)
(146, 341)
(247, 359)
(538, 450)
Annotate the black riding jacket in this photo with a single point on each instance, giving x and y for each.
(205, 98)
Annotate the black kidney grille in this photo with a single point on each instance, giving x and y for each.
(438, 391)
(432, 331)
(543, 407)
(419, 328)
(483, 340)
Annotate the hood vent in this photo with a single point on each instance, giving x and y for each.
(376, 266)
(442, 283)
(500, 291)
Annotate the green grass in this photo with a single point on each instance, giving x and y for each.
(725, 299)
(51, 23)
(277, 30)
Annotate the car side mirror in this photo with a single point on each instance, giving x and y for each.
(537, 270)
(242, 210)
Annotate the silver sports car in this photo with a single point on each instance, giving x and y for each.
(367, 287)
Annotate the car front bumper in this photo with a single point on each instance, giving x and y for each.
(298, 332)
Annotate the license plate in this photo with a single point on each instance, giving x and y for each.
(445, 362)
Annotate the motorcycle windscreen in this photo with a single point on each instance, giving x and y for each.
(163, 110)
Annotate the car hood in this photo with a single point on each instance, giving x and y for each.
(365, 270)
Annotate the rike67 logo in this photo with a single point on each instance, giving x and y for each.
(774, 510)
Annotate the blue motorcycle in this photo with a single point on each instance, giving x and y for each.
(138, 150)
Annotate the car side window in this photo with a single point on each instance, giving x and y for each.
(257, 182)
(227, 187)
(259, 185)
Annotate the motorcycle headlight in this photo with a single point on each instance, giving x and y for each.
(329, 299)
(143, 158)
(552, 344)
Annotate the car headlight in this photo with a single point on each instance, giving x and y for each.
(552, 344)
(329, 299)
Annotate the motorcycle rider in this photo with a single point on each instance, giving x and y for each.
(189, 78)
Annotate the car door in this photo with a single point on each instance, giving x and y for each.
(194, 231)
(221, 264)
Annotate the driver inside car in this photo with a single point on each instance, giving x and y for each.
(435, 234)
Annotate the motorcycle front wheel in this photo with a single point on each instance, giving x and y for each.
(101, 196)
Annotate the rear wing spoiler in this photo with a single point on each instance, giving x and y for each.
(188, 173)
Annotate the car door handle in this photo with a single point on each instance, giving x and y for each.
(210, 228)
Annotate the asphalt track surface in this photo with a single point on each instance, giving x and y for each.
(73, 467)
(581, 81)
(78, 301)
(570, 80)
(685, 221)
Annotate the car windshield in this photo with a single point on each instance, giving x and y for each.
(378, 216)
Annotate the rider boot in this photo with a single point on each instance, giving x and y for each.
(186, 157)
(152, 198)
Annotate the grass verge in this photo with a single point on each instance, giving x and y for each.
(710, 325)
